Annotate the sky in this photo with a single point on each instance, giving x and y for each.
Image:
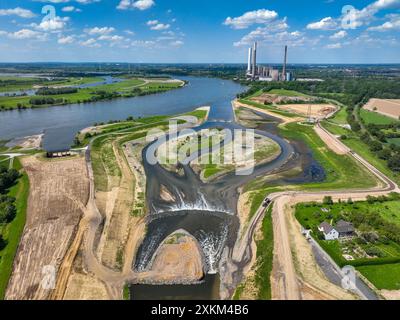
(202, 31)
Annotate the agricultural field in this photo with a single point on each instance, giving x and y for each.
(59, 191)
(387, 107)
(374, 249)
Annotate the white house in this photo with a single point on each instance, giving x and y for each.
(330, 233)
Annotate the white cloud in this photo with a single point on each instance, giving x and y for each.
(25, 34)
(152, 22)
(55, 24)
(339, 35)
(66, 40)
(334, 46)
(265, 33)
(92, 43)
(177, 43)
(156, 25)
(71, 9)
(392, 24)
(327, 23)
(130, 32)
(131, 4)
(20, 12)
(99, 31)
(261, 16)
(114, 38)
(143, 43)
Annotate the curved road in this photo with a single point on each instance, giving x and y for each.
(290, 289)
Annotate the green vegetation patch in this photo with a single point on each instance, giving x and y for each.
(370, 117)
(265, 248)
(385, 276)
(11, 232)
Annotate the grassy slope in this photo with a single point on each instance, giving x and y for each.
(385, 276)
(14, 230)
(287, 93)
(268, 108)
(375, 118)
(342, 171)
(263, 267)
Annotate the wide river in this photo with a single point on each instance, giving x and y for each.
(60, 124)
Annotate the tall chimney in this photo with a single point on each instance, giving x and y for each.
(254, 62)
(284, 65)
(250, 57)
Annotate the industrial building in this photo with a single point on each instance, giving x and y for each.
(265, 73)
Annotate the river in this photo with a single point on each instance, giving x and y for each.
(60, 124)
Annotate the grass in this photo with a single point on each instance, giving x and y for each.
(370, 117)
(395, 141)
(340, 117)
(126, 294)
(13, 231)
(268, 108)
(386, 276)
(104, 163)
(335, 129)
(265, 249)
(342, 171)
(123, 88)
(287, 93)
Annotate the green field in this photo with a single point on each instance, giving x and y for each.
(340, 117)
(335, 129)
(370, 117)
(355, 144)
(287, 93)
(127, 88)
(386, 276)
(395, 141)
(13, 231)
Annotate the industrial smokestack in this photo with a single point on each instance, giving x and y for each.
(254, 62)
(250, 57)
(284, 65)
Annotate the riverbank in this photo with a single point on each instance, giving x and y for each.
(87, 93)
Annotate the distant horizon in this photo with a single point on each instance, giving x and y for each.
(161, 31)
(202, 63)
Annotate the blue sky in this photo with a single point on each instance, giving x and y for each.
(210, 31)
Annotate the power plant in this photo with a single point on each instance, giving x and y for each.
(263, 73)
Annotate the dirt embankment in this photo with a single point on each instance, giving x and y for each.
(177, 260)
(58, 194)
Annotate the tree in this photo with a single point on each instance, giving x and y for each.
(384, 154)
(3, 242)
(328, 200)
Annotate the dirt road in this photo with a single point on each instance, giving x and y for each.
(289, 275)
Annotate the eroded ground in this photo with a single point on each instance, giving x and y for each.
(59, 192)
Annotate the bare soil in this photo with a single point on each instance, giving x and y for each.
(58, 194)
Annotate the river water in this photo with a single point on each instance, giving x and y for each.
(60, 124)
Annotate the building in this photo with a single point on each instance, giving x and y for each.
(330, 233)
(345, 229)
(262, 73)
